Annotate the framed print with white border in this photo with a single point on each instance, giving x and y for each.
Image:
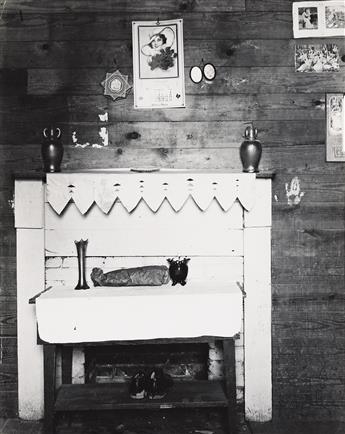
(158, 64)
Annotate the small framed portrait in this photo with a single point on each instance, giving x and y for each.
(195, 74)
(335, 136)
(209, 71)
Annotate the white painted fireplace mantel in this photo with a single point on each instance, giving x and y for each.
(222, 220)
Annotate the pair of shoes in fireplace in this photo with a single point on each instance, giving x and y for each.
(155, 385)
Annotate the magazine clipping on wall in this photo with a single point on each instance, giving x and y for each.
(335, 115)
(317, 58)
(158, 64)
(312, 19)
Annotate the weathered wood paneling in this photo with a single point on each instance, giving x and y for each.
(66, 6)
(90, 26)
(8, 320)
(8, 365)
(300, 158)
(53, 58)
(229, 81)
(97, 54)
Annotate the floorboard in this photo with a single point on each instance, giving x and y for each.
(164, 423)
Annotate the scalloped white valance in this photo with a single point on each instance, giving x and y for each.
(104, 188)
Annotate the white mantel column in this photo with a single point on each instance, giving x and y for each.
(257, 306)
(29, 223)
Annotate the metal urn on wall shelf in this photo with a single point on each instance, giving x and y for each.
(250, 150)
(52, 150)
(81, 252)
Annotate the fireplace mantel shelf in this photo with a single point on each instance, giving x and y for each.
(42, 176)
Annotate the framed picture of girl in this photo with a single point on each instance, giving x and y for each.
(158, 52)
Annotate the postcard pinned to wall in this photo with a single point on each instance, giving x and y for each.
(158, 64)
(312, 19)
(335, 138)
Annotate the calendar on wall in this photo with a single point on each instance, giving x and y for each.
(158, 64)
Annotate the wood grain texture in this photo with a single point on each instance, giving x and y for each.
(90, 26)
(8, 404)
(7, 270)
(269, 5)
(293, 159)
(8, 366)
(187, 133)
(65, 6)
(96, 54)
(284, 119)
(8, 317)
(229, 81)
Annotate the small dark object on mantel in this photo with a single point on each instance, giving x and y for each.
(178, 270)
(81, 252)
(52, 150)
(250, 150)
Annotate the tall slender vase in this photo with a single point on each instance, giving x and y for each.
(81, 252)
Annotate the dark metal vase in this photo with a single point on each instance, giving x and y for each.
(81, 252)
(250, 150)
(178, 270)
(52, 150)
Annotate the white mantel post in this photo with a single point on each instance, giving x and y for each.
(257, 306)
(29, 223)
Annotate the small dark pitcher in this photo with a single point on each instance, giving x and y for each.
(52, 150)
(81, 252)
(178, 270)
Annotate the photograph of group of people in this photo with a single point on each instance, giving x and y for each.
(318, 18)
(317, 58)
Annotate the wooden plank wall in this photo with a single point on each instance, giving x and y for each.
(54, 56)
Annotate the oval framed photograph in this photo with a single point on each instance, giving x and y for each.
(195, 74)
(209, 71)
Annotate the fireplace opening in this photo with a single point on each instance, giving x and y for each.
(111, 364)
